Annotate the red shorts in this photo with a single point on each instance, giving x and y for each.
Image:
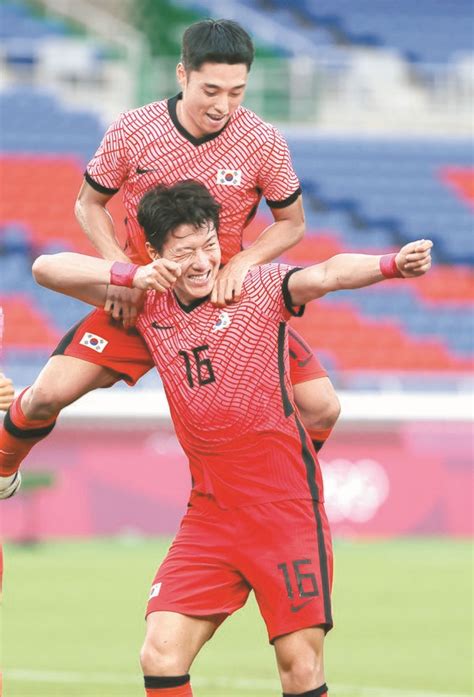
(280, 550)
(101, 340)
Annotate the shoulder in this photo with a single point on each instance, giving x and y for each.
(143, 115)
(246, 119)
(267, 275)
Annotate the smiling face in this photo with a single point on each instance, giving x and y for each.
(210, 96)
(198, 253)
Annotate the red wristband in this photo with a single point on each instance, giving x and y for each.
(388, 266)
(122, 274)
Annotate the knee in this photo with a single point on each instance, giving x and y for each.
(39, 403)
(322, 412)
(159, 659)
(302, 673)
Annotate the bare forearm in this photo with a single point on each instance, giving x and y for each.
(98, 225)
(276, 239)
(80, 276)
(351, 271)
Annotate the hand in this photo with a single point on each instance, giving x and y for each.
(228, 284)
(414, 259)
(7, 392)
(160, 275)
(124, 304)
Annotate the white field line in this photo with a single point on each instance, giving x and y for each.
(246, 685)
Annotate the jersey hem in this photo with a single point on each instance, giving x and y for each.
(98, 187)
(286, 202)
(290, 306)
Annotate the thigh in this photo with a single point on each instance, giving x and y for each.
(288, 550)
(101, 340)
(63, 380)
(198, 576)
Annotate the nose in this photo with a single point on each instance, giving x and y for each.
(200, 259)
(221, 104)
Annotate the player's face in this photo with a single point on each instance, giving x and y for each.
(198, 253)
(210, 96)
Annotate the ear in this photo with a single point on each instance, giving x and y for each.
(152, 253)
(181, 75)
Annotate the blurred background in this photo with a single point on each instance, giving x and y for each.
(375, 98)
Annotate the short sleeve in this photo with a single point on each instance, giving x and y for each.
(277, 179)
(269, 286)
(109, 167)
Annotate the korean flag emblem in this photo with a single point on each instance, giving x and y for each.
(94, 342)
(229, 177)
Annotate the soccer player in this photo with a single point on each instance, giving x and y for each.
(205, 134)
(256, 518)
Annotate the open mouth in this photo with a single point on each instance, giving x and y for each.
(199, 279)
(215, 119)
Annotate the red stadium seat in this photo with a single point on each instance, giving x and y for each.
(25, 325)
(40, 192)
(356, 343)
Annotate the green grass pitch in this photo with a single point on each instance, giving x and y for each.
(73, 623)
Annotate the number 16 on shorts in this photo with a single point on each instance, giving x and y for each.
(299, 582)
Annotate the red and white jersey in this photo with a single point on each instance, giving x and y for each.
(244, 161)
(225, 373)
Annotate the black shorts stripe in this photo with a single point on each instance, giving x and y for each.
(67, 338)
(310, 464)
(287, 405)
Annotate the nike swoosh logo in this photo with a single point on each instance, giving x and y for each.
(5, 452)
(297, 608)
(141, 170)
(301, 364)
(155, 325)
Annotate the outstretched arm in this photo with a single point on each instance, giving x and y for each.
(347, 271)
(86, 278)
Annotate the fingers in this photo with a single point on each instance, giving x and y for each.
(417, 257)
(225, 292)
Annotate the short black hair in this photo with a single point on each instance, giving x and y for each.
(164, 208)
(216, 41)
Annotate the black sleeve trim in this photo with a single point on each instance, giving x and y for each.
(98, 187)
(286, 202)
(287, 296)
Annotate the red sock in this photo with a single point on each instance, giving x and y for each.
(319, 438)
(168, 686)
(180, 691)
(18, 435)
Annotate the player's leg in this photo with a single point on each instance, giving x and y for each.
(32, 415)
(194, 590)
(7, 392)
(287, 559)
(315, 396)
(95, 353)
(300, 661)
(172, 642)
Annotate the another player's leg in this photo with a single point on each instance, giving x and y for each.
(171, 644)
(95, 353)
(300, 661)
(32, 415)
(315, 396)
(7, 392)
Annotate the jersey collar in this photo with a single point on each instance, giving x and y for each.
(192, 305)
(172, 104)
